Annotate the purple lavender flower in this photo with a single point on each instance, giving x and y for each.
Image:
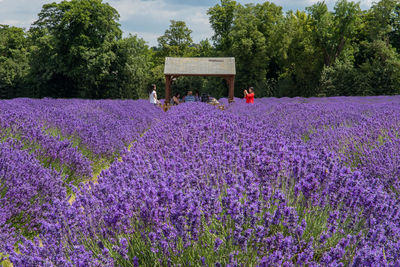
(217, 244)
(289, 182)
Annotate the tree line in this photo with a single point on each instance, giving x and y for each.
(75, 49)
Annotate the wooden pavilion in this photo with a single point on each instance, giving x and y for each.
(223, 67)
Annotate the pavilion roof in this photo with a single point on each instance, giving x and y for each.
(201, 66)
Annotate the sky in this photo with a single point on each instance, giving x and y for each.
(149, 18)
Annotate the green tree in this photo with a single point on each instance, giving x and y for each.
(382, 21)
(343, 79)
(370, 66)
(301, 59)
(74, 48)
(221, 19)
(130, 73)
(177, 40)
(379, 19)
(334, 30)
(395, 34)
(205, 49)
(248, 33)
(249, 49)
(380, 66)
(14, 61)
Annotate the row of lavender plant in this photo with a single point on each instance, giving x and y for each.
(49, 145)
(20, 122)
(27, 193)
(74, 133)
(104, 127)
(363, 131)
(282, 182)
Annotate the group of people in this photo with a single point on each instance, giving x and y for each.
(176, 99)
(189, 97)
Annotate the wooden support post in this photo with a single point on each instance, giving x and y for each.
(231, 85)
(168, 82)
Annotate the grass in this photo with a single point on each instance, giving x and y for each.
(98, 162)
(185, 253)
(6, 263)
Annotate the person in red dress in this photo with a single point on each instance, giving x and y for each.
(249, 95)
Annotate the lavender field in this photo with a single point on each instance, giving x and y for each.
(287, 182)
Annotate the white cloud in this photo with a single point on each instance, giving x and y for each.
(22, 13)
(11, 21)
(144, 35)
(154, 10)
(152, 18)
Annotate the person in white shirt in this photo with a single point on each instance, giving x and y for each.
(153, 95)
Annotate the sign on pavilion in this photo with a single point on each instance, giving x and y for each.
(223, 67)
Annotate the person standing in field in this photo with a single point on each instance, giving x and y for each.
(249, 95)
(153, 95)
